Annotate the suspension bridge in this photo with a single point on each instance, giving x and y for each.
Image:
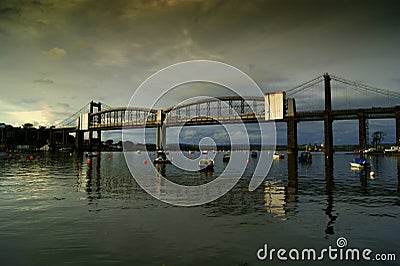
(325, 98)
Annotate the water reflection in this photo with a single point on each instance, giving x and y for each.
(398, 175)
(293, 183)
(49, 190)
(329, 189)
(363, 181)
(275, 199)
(88, 176)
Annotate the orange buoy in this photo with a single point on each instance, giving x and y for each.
(10, 155)
(109, 158)
(248, 161)
(89, 160)
(190, 157)
(144, 161)
(31, 157)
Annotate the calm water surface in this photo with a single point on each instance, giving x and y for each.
(58, 209)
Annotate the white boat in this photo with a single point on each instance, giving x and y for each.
(278, 156)
(206, 165)
(204, 152)
(393, 149)
(370, 150)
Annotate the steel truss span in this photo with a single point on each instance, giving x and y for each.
(123, 118)
(214, 110)
(206, 111)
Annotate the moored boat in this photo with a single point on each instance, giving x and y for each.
(206, 165)
(278, 156)
(161, 160)
(393, 149)
(305, 157)
(226, 157)
(253, 154)
(90, 155)
(360, 163)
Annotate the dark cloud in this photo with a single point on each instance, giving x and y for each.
(9, 11)
(64, 105)
(108, 48)
(44, 81)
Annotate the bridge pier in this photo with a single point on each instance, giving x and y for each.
(362, 129)
(79, 139)
(94, 142)
(90, 140)
(328, 120)
(52, 143)
(291, 127)
(64, 140)
(160, 131)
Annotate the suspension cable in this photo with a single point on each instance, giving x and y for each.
(304, 86)
(365, 87)
(73, 116)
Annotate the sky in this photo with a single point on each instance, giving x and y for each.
(56, 56)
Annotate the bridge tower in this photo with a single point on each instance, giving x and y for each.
(292, 147)
(328, 120)
(291, 127)
(92, 105)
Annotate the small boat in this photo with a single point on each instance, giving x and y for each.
(226, 157)
(206, 165)
(278, 156)
(370, 151)
(360, 163)
(161, 157)
(305, 157)
(161, 160)
(204, 152)
(393, 149)
(253, 154)
(90, 155)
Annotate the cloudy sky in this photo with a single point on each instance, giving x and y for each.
(56, 56)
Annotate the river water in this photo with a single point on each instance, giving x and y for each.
(59, 209)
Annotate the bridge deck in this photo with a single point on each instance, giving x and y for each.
(118, 122)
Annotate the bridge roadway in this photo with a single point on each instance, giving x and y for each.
(229, 110)
(118, 118)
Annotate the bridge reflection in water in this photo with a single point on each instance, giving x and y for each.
(279, 196)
